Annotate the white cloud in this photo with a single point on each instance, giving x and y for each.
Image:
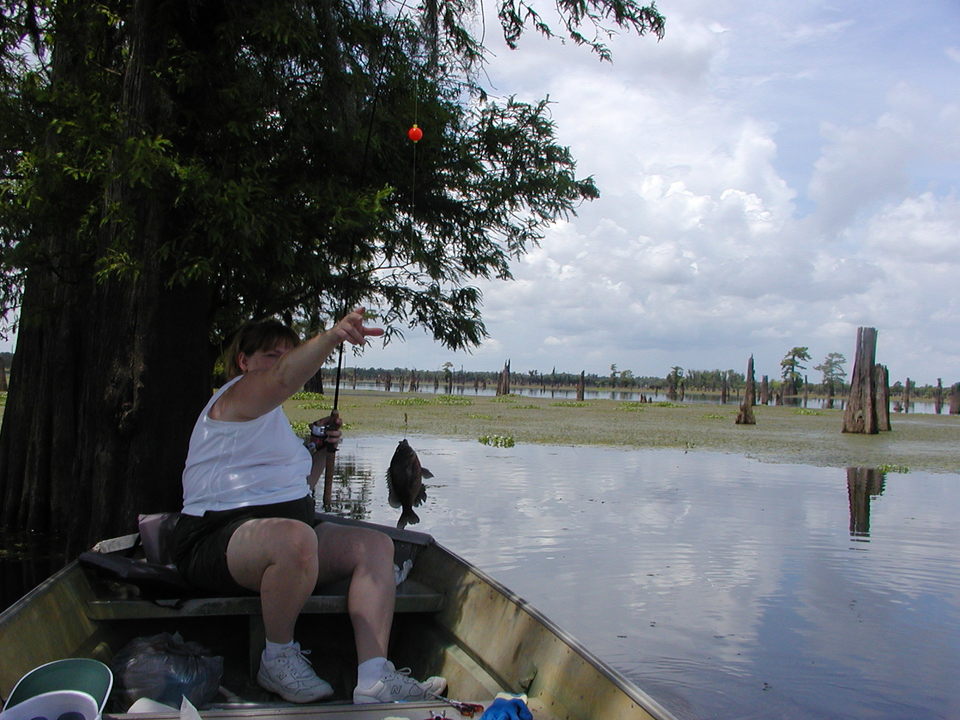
(771, 176)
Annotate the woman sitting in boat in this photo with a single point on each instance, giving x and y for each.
(248, 516)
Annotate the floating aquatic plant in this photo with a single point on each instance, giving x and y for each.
(505, 441)
(893, 468)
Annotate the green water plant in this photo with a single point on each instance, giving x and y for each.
(893, 468)
(504, 441)
(308, 396)
(431, 400)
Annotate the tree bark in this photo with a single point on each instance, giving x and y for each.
(581, 383)
(102, 405)
(764, 390)
(881, 384)
(315, 384)
(746, 416)
(503, 383)
(955, 400)
(860, 415)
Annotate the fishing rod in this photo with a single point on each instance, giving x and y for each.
(415, 134)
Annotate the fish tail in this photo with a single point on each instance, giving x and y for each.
(408, 517)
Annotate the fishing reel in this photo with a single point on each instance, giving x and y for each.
(317, 438)
(318, 434)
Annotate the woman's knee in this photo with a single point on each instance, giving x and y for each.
(277, 539)
(381, 544)
(348, 547)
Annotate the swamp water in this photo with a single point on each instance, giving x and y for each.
(724, 587)
(727, 588)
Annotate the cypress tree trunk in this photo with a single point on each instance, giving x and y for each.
(881, 384)
(745, 416)
(860, 415)
(102, 404)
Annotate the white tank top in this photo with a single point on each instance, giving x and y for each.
(235, 464)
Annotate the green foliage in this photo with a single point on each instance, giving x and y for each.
(300, 429)
(833, 371)
(570, 404)
(504, 441)
(791, 365)
(431, 400)
(308, 397)
(275, 153)
(893, 468)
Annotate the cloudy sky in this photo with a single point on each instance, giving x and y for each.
(773, 174)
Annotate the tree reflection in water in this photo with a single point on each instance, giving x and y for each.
(863, 484)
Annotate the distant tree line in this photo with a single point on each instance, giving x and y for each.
(791, 381)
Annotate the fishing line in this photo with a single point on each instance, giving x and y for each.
(378, 86)
(348, 269)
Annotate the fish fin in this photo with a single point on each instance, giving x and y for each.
(425, 473)
(421, 496)
(409, 517)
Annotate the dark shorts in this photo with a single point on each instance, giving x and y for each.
(200, 543)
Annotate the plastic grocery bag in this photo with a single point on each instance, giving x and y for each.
(166, 668)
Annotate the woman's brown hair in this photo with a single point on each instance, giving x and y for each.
(252, 336)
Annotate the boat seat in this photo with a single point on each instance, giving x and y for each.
(412, 596)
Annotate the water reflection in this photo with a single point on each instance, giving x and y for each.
(723, 586)
(863, 484)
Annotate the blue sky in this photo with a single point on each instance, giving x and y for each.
(772, 175)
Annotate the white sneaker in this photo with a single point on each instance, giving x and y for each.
(398, 686)
(290, 675)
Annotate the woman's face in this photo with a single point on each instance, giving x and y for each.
(263, 359)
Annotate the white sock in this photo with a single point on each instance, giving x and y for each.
(370, 671)
(273, 649)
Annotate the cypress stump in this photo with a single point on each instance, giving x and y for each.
(745, 416)
(860, 415)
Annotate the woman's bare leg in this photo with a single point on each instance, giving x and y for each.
(366, 557)
(276, 557)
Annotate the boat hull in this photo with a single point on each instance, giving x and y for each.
(482, 637)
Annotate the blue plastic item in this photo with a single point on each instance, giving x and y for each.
(507, 709)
